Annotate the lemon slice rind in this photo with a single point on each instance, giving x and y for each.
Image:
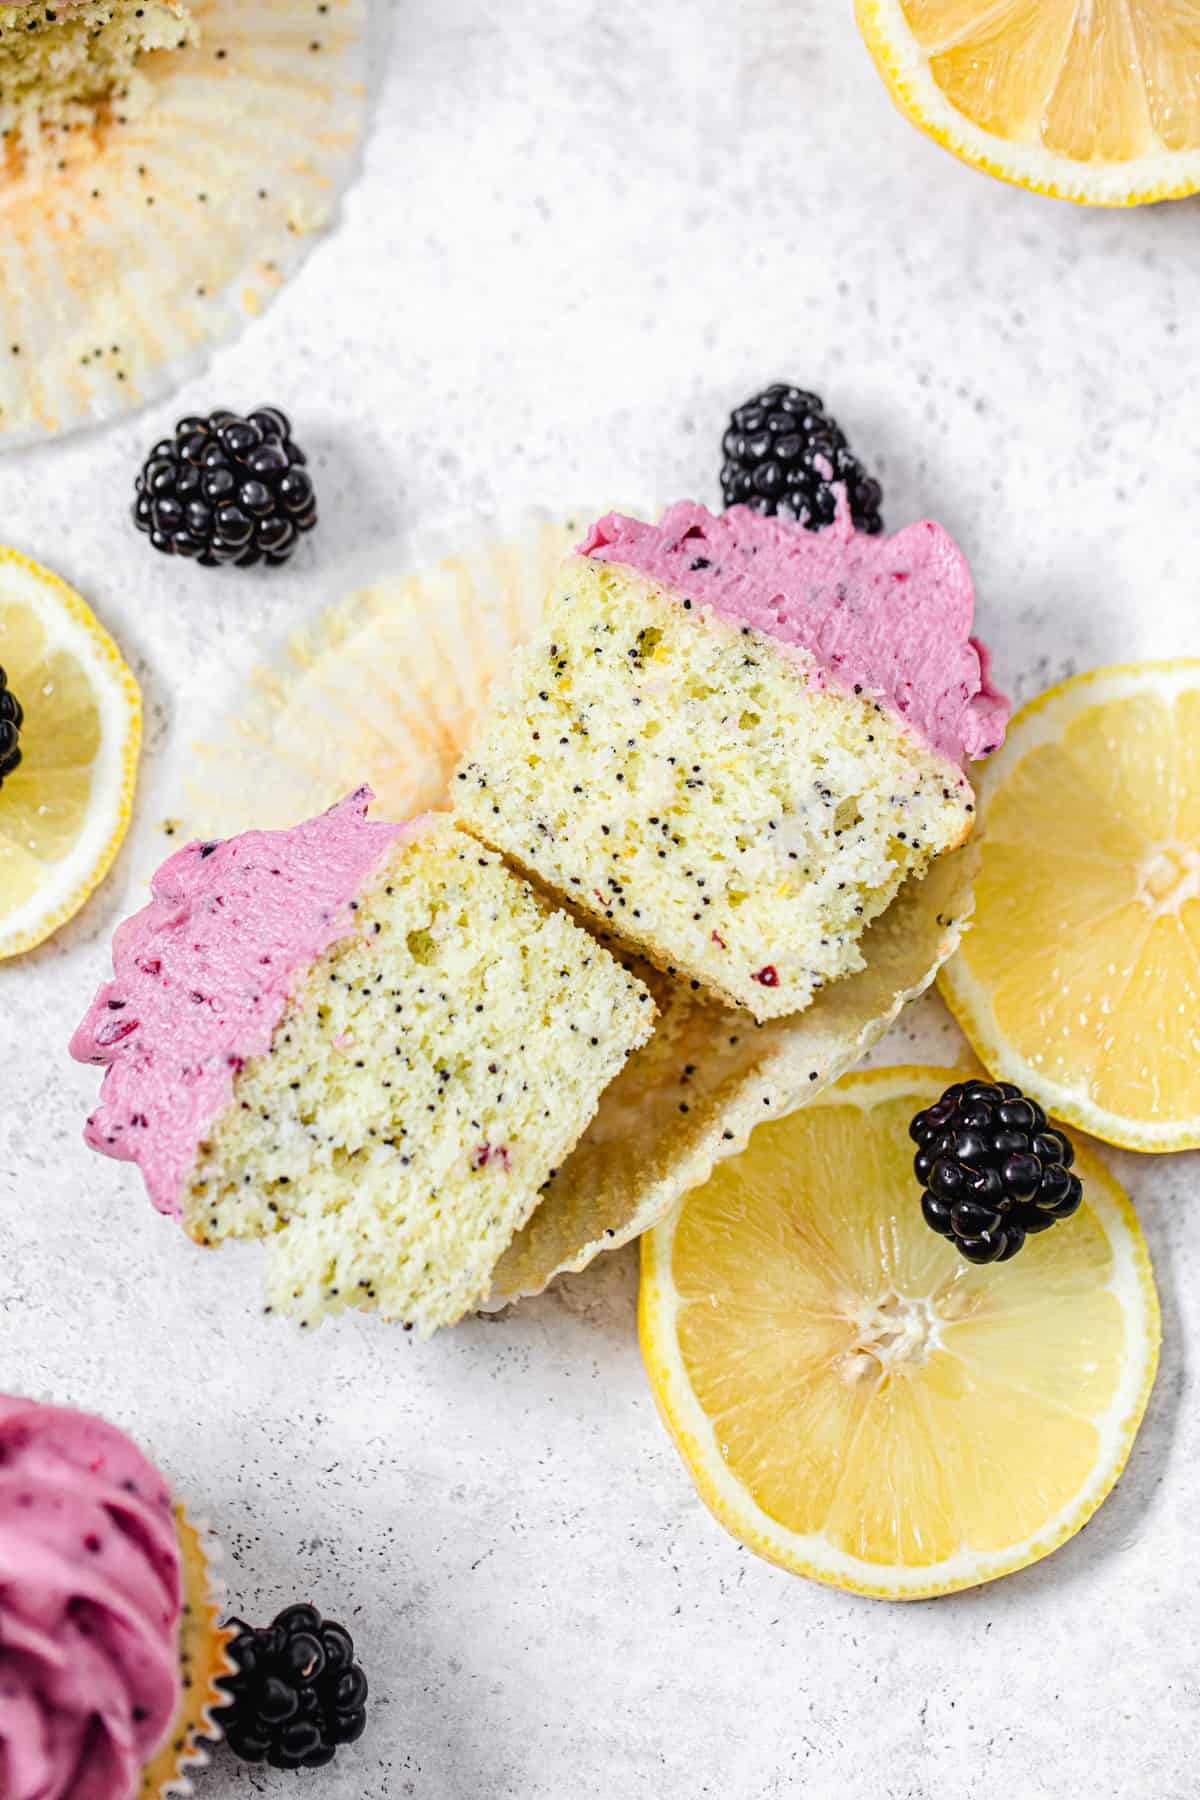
(904, 65)
(399, 673)
(810, 1554)
(72, 627)
(1040, 722)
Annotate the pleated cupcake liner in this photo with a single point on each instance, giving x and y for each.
(389, 681)
(709, 1075)
(147, 232)
(387, 686)
(204, 1658)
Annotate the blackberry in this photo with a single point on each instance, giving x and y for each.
(297, 1693)
(992, 1169)
(227, 490)
(11, 721)
(784, 454)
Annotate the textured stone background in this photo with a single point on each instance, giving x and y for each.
(583, 232)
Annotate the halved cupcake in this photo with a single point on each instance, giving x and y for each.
(733, 740)
(110, 1650)
(370, 1044)
(427, 645)
(53, 58)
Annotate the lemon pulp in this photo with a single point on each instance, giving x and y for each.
(1095, 102)
(65, 809)
(1081, 978)
(857, 1402)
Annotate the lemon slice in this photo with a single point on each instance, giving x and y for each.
(1081, 978)
(66, 809)
(856, 1402)
(1099, 103)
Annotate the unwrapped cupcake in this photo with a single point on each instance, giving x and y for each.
(370, 1044)
(733, 741)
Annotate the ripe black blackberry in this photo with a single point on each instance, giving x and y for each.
(297, 1693)
(11, 721)
(227, 490)
(992, 1169)
(784, 454)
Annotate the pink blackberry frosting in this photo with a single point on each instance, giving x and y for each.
(203, 973)
(90, 1602)
(889, 615)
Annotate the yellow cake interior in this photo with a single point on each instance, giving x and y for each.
(698, 787)
(53, 58)
(428, 1075)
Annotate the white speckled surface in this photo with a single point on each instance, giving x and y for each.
(584, 231)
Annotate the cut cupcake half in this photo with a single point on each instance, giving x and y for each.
(401, 673)
(146, 213)
(370, 1045)
(732, 740)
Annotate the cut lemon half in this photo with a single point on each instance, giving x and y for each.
(1097, 103)
(65, 810)
(1080, 980)
(856, 1402)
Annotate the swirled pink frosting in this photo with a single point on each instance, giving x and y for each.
(90, 1601)
(202, 975)
(891, 615)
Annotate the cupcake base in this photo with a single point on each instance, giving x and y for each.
(709, 1075)
(203, 1658)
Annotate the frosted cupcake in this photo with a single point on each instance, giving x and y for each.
(369, 1044)
(109, 1646)
(733, 740)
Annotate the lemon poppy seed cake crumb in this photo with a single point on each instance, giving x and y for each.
(54, 58)
(422, 1076)
(699, 784)
(426, 1079)
(700, 796)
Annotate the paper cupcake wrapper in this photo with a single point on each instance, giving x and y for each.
(134, 243)
(204, 1657)
(387, 687)
(390, 681)
(709, 1075)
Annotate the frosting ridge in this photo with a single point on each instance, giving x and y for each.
(90, 1602)
(202, 976)
(890, 615)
